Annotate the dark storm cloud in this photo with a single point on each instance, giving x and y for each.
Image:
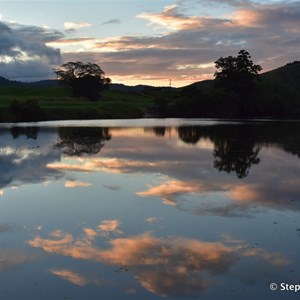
(24, 53)
(26, 71)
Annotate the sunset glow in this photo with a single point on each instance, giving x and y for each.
(145, 43)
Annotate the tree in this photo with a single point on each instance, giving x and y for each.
(85, 80)
(237, 73)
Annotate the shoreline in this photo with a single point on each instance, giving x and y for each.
(145, 122)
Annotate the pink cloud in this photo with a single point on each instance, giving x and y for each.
(70, 276)
(171, 19)
(75, 184)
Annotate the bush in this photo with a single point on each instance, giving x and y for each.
(27, 111)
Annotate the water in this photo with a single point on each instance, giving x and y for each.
(149, 209)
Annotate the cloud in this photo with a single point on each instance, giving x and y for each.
(70, 26)
(172, 19)
(11, 259)
(70, 276)
(24, 54)
(70, 41)
(75, 184)
(242, 199)
(152, 220)
(112, 21)
(231, 3)
(168, 266)
(112, 187)
(268, 31)
(111, 165)
(76, 278)
(24, 164)
(173, 188)
(185, 48)
(90, 233)
(109, 226)
(284, 17)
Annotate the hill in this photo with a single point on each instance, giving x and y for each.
(55, 83)
(201, 85)
(7, 82)
(275, 95)
(288, 75)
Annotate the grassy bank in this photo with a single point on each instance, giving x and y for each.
(57, 103)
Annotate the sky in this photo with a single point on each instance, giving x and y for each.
(151, 42)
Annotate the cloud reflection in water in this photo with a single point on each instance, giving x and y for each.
(167, 266)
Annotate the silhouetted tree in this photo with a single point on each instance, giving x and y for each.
(28, 110)
(85, 80)
(236, 72)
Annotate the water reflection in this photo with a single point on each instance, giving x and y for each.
(190, 135)
(236, 148)
(24, 156)
(189, 211)
(80, 140)
(29, 132)
(159, 131)
(235, 156)
(167, 266)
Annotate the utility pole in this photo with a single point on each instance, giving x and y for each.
(170, 83)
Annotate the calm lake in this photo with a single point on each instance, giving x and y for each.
(149, 209)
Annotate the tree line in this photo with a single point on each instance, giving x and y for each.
(238, 91)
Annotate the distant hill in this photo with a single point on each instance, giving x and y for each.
(276, 95)
(288, 75)
(7, 82)
(135, 88)
(201, 85)
(54, 83)
(41, 83)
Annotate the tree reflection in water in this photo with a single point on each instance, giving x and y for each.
(29, 132)
(77, 141)
(190, 134)
(235, 156)
(235, 149)
(159, 131)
